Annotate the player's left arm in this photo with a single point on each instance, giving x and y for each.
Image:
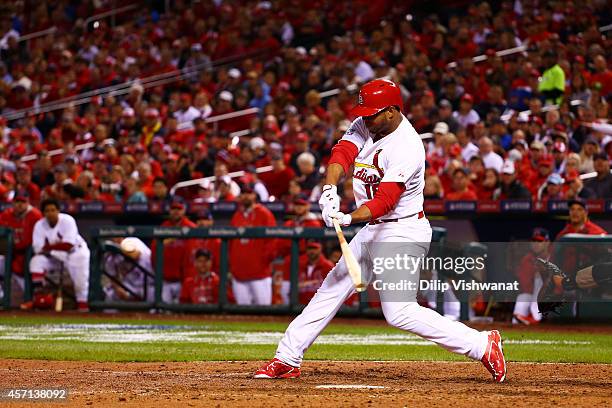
(386, 198)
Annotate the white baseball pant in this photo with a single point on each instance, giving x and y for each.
(253, 292)
(405, 315)
(171, 291)
(527, 303)
(77, 264)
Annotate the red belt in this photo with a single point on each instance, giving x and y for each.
(420, 215)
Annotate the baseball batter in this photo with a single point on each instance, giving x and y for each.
(388, 181)
(56, 240)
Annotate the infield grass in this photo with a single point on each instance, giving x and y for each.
(150, 339)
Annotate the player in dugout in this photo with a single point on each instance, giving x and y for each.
(58, 245)
(21, 218)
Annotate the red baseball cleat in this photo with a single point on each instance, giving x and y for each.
(526, 320)
(277, 369)
(39, 301)
(493, 358)
(82, 307)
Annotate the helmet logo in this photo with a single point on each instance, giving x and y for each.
(360, 99)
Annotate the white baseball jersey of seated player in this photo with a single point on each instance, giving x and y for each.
(398, 157)
(76, 260)
(64, 231)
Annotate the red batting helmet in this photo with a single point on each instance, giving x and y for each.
(377, 95)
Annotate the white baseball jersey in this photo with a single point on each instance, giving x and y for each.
(397, 157)
(76, 260)
(131, 276)
(64, 231)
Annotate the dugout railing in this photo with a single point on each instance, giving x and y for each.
(156, 234)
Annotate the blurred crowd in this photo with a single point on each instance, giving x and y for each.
(525, 125)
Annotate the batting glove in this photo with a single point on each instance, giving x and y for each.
(329, 199)
(343, 219)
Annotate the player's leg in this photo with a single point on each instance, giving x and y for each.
(452, 306)
(242, 292)
(39, 265)
(523, 301)
(402, 311)
(167, 294)
(535, 317)
(334, 290)
(429, 324)
(261, 291)
(400, 307)
(78, 268)
(451, 335)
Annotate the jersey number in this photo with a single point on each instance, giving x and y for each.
(371, 190)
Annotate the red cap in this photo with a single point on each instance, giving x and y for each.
(377, 95)
(186, 97)
(21, 196)
(579, 59)
(300, 201)
(177, 205)
(540, 234)
(467, 97)
(313, 244)
(302, 137)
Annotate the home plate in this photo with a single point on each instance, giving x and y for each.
(351, 386)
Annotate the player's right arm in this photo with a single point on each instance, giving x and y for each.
(38, 237)
(345, 151)
(335, 172)
(342, 157)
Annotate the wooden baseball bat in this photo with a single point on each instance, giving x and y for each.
(59, 299)
(352, 265)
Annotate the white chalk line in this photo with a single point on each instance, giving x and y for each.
(109, 333)
(127, 372)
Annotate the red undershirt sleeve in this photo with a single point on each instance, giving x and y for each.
(60, 246)
(386, 198)
(344, 153)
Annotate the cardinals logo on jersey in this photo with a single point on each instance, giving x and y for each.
(380, 171)
(371, 181)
